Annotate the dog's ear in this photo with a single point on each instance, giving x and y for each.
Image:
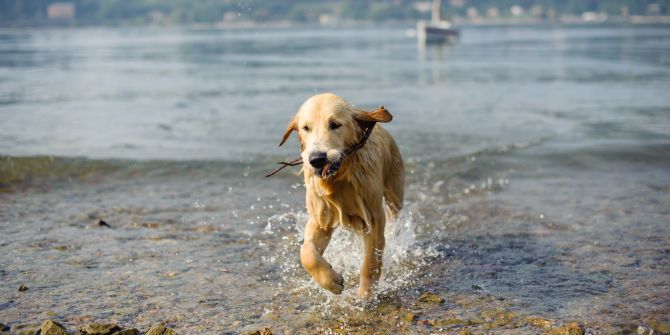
(293, 125)
(379, 115)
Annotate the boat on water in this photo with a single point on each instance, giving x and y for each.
(437, 30)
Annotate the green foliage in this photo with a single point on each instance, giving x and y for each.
(26, 12)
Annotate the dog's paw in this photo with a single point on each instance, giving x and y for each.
(365, 290)
(333, 283)
(338, 284)
(364, 294)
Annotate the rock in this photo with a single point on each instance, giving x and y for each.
(205, 229)
(96, 328)
(264, 331)
(498, 318)
(271, 316)
(150, 224)
(102, 223)
(409, 317)
(539, 322)
(431, 298)
(450, 322)
(3, 327)
(387, 307)
(26, 329)
(424, 323)
(23, 288)
(160, 329)
(572, 328)
(660, 326)
(52, 328)
(659, 322)
(129, 331)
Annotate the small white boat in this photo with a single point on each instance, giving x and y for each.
(437, 30)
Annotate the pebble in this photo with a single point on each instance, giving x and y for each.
(23, 288)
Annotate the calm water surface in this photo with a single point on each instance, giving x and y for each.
(538, 175)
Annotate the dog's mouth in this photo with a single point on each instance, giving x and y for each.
(328, 170)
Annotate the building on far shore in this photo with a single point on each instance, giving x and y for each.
(61, 11)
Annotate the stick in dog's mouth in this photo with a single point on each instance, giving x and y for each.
(329, 170)
(333, 165)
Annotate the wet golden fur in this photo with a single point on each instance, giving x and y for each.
(356, 194)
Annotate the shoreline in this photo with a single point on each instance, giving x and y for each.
(393, 312)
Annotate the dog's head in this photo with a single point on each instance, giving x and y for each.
(326, 126)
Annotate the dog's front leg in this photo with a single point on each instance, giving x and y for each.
(311, 256)
(371, 269)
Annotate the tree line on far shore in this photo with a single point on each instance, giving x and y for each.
(129, 12)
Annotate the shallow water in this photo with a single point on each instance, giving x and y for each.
(537, 163)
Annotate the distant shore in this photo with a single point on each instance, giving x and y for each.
(565, 20)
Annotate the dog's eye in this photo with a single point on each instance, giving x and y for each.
(334, 125)
(305, 128)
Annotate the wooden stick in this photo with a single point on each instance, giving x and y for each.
(285, 164)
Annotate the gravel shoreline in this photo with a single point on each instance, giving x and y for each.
(480, 314)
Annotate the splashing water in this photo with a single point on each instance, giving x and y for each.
(403, 255)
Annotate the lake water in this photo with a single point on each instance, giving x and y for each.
(538, 177)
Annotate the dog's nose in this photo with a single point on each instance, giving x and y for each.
(318, 159)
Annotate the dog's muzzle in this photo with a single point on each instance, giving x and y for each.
(323, 168)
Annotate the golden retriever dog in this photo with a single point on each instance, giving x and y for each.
(356, 189)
